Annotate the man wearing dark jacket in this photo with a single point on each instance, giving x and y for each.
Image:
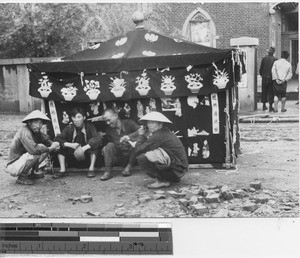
(267, 94)
(79, 144)
(118, 149)
(159, 152)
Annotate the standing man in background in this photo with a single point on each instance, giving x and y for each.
(281, 73)
(267, 94)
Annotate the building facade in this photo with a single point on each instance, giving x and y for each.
(214, 24)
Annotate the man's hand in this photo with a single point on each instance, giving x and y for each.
(279, 81)
(142, 130)
(79, 154)
(124, 138)
(54, 146)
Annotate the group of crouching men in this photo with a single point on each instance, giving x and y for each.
(157, 150)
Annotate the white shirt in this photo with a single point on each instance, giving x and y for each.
(282, 70)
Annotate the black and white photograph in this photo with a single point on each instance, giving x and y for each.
(149, 110)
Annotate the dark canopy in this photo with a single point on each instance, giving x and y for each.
(141, 63)
(136, 49)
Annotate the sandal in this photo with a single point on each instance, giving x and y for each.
(22, 180)
(91, 174)
(106, 176)
(35, 175)
(126, 173)
(59, 175)
(158, 184)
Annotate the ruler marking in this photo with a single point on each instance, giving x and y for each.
(137, 239)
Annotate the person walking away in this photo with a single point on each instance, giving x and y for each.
(267, 94)
(79, 143)
(281, 73)
(29, 148)
(159, 152)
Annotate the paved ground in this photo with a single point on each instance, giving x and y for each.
(270, 155)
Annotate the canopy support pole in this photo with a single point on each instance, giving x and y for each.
(227, 133)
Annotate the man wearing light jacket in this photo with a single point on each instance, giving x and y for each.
(281, 73)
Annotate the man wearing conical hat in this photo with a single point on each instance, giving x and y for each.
(159, 152)
(29, 148)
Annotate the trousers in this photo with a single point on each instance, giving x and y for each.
(156, 169)
(113, 155)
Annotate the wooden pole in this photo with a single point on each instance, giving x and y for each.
(43, 107)
(227, 133)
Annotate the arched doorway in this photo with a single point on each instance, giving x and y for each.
(200, 28)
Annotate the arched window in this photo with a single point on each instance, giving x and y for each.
(200, 28)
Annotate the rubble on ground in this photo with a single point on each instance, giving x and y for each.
(218, 201)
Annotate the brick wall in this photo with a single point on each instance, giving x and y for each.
(232, 20)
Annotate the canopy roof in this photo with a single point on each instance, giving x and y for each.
(136, 50)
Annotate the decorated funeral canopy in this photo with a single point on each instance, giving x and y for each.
(141, 63)
(143, 70)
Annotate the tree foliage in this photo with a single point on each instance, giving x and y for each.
(59, 29)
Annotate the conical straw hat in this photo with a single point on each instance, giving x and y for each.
(36, 114)
(155, 116)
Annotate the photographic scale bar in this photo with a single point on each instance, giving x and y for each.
(75, 238)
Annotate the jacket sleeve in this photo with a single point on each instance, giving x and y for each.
(46, 140)
(274, 71)
(289, 74)
(30, 145)
(143, 144)
(135, 128)
(63, 136)
(95, 139)
(261, 67)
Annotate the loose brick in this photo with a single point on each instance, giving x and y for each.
(225, 188)
(193, 200)
(261, 198)
(181, 195)
(188, 194)
(200, 209)
(144, 199)
(201, 199)
(159, 196)
(159, 192)
(238, 194)
(173, 194)
(256, 185)
(228, 195)
(250, 206)
(183, 202)
(208, 192)
(212, 198)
